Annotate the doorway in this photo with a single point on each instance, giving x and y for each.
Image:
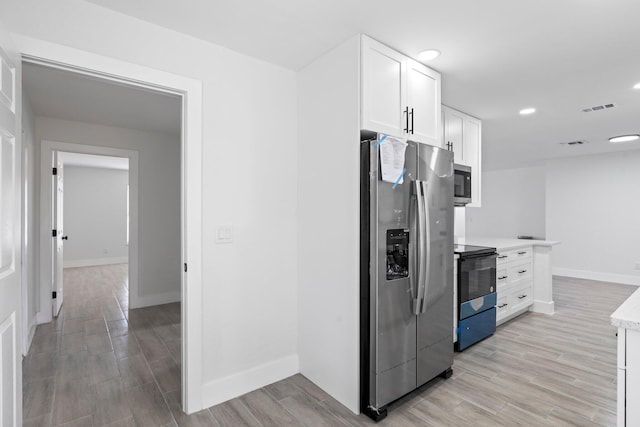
(91, 218)
(189, 92)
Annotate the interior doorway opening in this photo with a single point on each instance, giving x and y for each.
(188, 93)
(91, 222)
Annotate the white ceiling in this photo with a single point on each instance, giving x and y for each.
(498, 56)
(93, 161)
(66, 95)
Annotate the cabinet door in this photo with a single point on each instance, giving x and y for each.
(423, 99)
(633, 378)
(520, 297)
(453, 127)
(383, 89)
(472, 155)
(502, 306)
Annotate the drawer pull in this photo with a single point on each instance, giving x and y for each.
(522, 253)
(503, 305)
(522, 271)
(503, 256)
(502, 278)
(522, 296)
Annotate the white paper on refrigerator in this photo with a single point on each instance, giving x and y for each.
(392, 159)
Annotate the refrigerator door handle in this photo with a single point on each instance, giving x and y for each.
(414, 242)
(427, 244)
(418, 302)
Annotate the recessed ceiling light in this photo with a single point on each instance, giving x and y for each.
(636, 86)
(429, 54)
(526, 111)
(624, 138)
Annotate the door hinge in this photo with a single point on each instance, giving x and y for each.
(54, 233)
(185, 267)
(54, 295)
(55, 171)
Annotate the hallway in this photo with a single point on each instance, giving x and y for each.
(99, 363)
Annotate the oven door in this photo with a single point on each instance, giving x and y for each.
(476, 276)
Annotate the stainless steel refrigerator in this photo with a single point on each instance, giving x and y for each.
(406, 274)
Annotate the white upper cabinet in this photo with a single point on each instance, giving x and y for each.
(400, 96)
(463, 135)
(472, 156)
(423, 101)
(383, 89)
(453, 123)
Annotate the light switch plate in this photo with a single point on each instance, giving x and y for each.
(224, 234)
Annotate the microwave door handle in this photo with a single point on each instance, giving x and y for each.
(421, 248)
(427, 245)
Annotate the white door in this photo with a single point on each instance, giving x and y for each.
(58, 237)
(423, 99)
(383, 89)
(453, 127)
(10, 252)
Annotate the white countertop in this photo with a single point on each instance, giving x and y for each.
(628, 314)
(501, 243)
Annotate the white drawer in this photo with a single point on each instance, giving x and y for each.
(503, 257)
(521, 297)
(520, 271)
(514, 255)
(521, 253)
(502, 307)
(502, 279)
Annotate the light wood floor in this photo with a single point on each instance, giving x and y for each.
(102, 364)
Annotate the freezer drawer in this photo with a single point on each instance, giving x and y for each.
(474, 328)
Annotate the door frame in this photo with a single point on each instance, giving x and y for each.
(46, 218)
(98, 66)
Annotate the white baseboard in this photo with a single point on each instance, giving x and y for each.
(42, 318)
(96, 261)
(544, 307)
(227, 388)
(624, 279)
(158, 299)
(33, 324)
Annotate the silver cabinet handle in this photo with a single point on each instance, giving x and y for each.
(522, 271)
(503, 305)
(522, 296)
(502, 278)
(522, 253)
(406, 113)
(503, 256)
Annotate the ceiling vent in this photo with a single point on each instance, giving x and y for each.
(597, 108)
(572, 143)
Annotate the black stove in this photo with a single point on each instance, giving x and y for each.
(470, 250)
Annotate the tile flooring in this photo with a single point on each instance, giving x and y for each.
(101, 364)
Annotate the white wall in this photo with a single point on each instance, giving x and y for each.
(29, 223)
(513, 204)
(460, 221)
(593, 207)
(95, 216)
(250, 172)
(159, 203)
(329, 223)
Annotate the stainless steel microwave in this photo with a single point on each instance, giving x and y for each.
(462, 185)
